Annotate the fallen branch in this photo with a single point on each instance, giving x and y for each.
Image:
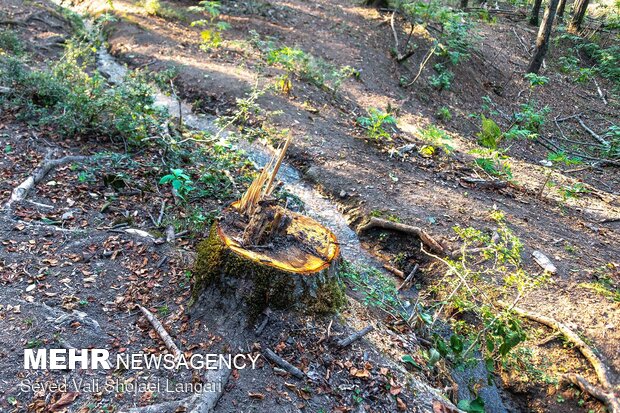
(20, 192)
(527, 49)
(355, 336)
(422, 65)
(407, 229)
(592, 133)
(159, 328)
(409, 277)
(394, 271)
(273, 357)
(600, 92)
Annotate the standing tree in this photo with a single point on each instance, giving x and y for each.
(579, 12)
(560, 12)
(535, 12)
(542, 40)
(464, 4)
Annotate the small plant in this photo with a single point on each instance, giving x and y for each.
(531, 118)
(495, 166)
(536, 80)
(436, 137)
(211, 34)
(573, 191)
(612, 136)
(180, 181)
(152, 7)
(10, 43)
(490, 134)
(561, 157)
(444, 114)
(163, 310)
(375, 122)
(443, 79)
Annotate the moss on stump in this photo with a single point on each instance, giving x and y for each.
(293, 279)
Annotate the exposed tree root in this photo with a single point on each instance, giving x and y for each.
(407, 229)
(608, 397)
(200, 402)
(606, 392)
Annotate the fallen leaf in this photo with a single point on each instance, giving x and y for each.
(258, 396)
(64, 400)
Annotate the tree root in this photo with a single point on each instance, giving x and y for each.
(407, 229)
(606, 392)
(200, 402)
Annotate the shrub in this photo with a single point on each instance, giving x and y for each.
(374, 123)
(77, 102)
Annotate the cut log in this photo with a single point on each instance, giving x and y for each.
(297, 271)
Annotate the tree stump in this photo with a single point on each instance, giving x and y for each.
(297, 269)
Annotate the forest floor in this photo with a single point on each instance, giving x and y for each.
(580, 234)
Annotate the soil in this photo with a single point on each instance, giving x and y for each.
(580, 235)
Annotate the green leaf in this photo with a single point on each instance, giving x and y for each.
(408, 359)
(456, 344)
(472, 406)
(433, 357)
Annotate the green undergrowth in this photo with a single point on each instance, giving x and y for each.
(302, 64)
(74, 100)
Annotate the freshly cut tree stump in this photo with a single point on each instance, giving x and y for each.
(295, 267)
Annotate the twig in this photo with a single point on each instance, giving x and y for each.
(600, 92)
(273, 357)
(394, 271)
(355, 336)
(161, 212)
(592, 133)
(527, 50)
(409, 277)
(426, 59)
(20, 192)
(159, 328)
(407, 229)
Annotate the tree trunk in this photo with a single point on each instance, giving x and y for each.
(542, 40)
(284, 274)
(579, 11)
(376, 3)
(561, 9)
(535, 12)
(464, 4)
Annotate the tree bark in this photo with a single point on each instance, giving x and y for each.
(561, 9)
(535, 12)
(376, 3)
(579, 12)
(542, 40)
